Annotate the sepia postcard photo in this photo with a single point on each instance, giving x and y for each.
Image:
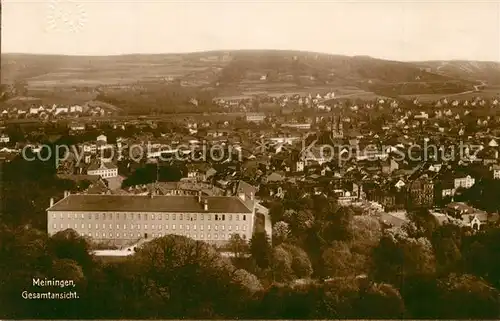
(249, 159)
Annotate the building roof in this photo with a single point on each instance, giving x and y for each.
(136, 203)
(95, 165)
(245, 188)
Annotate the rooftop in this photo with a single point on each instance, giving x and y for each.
(95, 165)
(141, 203)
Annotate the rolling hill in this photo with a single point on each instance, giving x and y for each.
(238, 72)
(486, 71)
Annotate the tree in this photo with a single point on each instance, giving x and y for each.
(69, 245)
(301, 265)
(337, 260)
(165, 263)
(282, 265)
(261, 250)
(366, 232)
(25, 256)
(422, 224)
(290, 262)
(381, 301)
(339, 299)
(247, 280)
(281, 231)
(301, 222)
(466, 296)
(480, 254)
(448, 254)
(338, 227)
(237, 245)
(276, 212)
(397, 257)
(67, 269)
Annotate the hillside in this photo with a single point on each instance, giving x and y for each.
(245, 72)
(41, 71)
(488, 72)
(295, 70)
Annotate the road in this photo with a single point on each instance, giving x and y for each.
(477, 88)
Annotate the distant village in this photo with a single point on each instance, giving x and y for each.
(54, 111)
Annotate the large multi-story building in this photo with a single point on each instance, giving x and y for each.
(255, 117)
(463, 181)
(124, 219)
(421, 192)
(103, 169)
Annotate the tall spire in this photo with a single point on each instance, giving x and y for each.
(157, 172)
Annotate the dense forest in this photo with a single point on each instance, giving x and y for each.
(324, 261)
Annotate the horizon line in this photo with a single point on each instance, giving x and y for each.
(240, 50)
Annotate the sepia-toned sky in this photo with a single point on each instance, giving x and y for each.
(399, 30)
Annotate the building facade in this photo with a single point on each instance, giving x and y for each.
(464, 182)
(124, 219)
(103, 169)
(256, 118)
(337, 128)
(421, 192)
(496, 171)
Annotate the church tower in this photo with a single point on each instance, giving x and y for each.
(337, 128)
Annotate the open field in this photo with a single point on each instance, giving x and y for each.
(72, 71)
(486, 93)
(275, 91)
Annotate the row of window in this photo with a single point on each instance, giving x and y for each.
(221, 236)
(138, 227)
(105, 170)
(139, 216)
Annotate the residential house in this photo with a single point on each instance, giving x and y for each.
(61, 110)
(389, 166)
(102, 138)
(468, 215)
(76, 109)
(435, 167)
(317, 156)
(199, 171)
(463, 181)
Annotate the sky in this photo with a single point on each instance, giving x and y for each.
(396, 30)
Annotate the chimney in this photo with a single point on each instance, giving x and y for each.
(205, 205)
(242, 196)
(51, 201)
(251, 196)
(199, 197)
